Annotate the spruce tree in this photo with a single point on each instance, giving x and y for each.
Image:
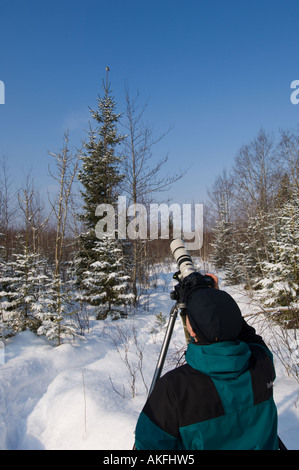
(106, 282)
(254, 247)
(22, 283)
(100, 174)
(100, 178)
(5, 326)
(280, 280)
(222, 244)
(56, 311)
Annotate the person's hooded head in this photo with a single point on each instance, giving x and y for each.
(213, 315)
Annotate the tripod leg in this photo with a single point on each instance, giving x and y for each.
(281, 444)
(165, 345)
(164, 349)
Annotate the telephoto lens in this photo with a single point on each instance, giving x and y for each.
(182, 257)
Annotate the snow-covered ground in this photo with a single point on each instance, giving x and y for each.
(80, 395)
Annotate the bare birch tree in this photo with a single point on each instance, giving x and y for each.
(66, 170)
(256, 175)
(7, 207)
(33, 213)
(143, 178)
(289, 147)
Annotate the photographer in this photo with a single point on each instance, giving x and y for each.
(222, 398)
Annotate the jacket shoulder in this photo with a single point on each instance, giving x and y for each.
(262, 373)
(195, 395)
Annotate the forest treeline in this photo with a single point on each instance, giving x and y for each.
(256, 220)
(54, 270)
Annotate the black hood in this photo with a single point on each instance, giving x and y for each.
(213, 315)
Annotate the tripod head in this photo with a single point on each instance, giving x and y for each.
(188, 280)
(187, 276)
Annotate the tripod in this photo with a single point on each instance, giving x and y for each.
(160, 363)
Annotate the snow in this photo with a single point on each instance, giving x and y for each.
(79, 395)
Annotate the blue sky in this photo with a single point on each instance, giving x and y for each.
(214, 71)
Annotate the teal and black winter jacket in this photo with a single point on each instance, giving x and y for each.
(222, 398)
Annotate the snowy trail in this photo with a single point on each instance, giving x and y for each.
(63, 397)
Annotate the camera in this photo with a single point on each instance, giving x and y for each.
(187, 276)
(182, 257)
